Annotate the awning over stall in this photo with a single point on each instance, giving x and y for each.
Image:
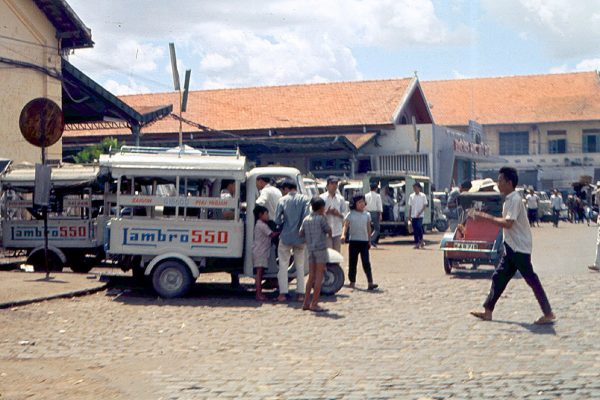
(298, 143)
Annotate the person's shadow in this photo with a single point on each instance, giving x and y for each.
(533, 328)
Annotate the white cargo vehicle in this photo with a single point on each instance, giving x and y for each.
(177, 214)
(75, 222)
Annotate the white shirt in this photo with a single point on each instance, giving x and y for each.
(268, 198)
(416, 202)
(519, 236)
(532, 201)
(373, 200)
(556, 201)
(336, 202)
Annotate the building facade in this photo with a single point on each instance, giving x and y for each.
(35, 34)
(343, 128)
(547, 126)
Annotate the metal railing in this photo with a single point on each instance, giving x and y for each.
(162, 150)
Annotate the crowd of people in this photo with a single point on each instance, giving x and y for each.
(296, 225)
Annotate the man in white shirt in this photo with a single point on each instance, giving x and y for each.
(335, 209)
(518, 247)
(556, 202)
(268, 196)
(417, 203)
(532, 201)
(375, 208)
(596, 265)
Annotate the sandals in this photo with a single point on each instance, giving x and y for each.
(545, 320)
(317, 309)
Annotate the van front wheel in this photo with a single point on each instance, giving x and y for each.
(171, 278)
(333, 280)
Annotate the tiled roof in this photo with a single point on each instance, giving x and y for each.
(515, 99)
(277, 107)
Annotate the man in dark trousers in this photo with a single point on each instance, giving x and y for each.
(518, 246)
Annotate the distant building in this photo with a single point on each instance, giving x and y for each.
(343, 128)
(34, 36)
(547, 126)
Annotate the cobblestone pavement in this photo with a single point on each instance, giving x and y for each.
(412, 339)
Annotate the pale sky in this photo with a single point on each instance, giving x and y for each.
(239, 43)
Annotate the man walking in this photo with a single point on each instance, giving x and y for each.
(556, 202)
(417, 203)
(533, 201)
(291, 211)
(335, 208)
(375, 208)
(518, 246)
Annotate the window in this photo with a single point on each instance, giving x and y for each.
(557, 142)
(557, 146)
(514, 143)
(591, 140)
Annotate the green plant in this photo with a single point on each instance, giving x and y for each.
(92, 153)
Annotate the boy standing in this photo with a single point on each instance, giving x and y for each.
(335, 208)
(315, 230)
(518, 246)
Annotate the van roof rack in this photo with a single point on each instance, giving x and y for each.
(176, 150)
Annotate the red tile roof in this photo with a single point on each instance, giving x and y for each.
(515, 99)
(277, 107)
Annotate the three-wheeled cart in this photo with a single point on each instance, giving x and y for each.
(474, 241)
(76, 224)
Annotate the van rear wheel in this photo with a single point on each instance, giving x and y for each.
(78, 262)
(333, 279)
(36, 260)
(171, 278)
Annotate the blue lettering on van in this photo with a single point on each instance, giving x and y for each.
(151, 237)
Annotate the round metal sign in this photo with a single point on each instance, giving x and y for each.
(41, 122)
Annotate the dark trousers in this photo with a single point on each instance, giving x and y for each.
(532, 215)
(555, 217)
(417, 225)
(511, 263)
(354, 249)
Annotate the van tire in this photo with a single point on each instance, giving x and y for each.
(36, 260)
(171, 278)
(78, 262)
(441, 225)
(333, 280)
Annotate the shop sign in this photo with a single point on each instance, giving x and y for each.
(463, 146)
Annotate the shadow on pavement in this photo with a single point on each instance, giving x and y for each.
(471, 273)
(533, 328)
(128, 290)
(49, 280)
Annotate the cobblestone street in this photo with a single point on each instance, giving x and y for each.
(414, 338)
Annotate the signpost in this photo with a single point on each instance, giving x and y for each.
(42, 124)
(183, 97)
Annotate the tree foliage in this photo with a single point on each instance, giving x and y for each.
(92, 153)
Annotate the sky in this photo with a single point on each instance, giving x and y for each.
(241, 43)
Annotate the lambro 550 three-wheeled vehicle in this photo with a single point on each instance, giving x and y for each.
(475, 241)
(171, 219)
(75, 222)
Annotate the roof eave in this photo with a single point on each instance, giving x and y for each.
(79, 37)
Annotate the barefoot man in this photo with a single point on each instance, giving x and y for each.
(517, 244)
